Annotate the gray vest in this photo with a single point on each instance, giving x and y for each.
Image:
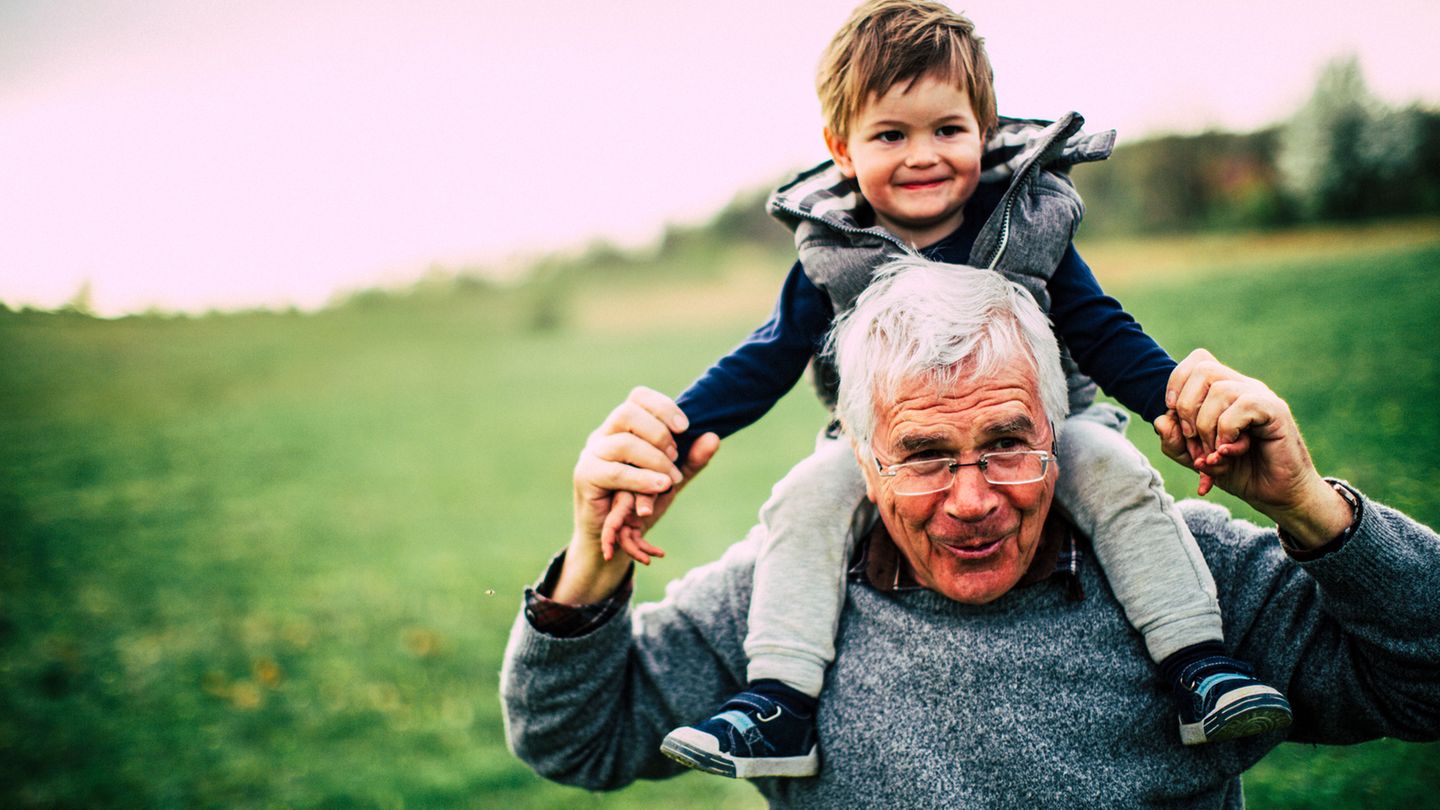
(1024, 238)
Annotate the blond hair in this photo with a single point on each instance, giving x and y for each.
(887, 42)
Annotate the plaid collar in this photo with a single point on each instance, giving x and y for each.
(877, 561)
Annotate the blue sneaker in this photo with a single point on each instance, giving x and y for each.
(751, 737)
(1220, 699)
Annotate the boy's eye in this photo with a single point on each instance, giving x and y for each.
(890, 136)
(949, 131)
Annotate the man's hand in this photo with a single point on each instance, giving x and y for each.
(1237, 431)
(631, 452)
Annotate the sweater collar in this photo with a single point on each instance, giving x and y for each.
(877, 561)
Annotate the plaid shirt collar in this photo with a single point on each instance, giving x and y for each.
(877, 561)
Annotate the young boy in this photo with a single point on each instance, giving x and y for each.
(921, 164)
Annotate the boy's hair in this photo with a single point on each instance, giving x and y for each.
(887, 42)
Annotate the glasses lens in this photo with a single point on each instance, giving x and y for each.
(921, 477)
(1014, 468)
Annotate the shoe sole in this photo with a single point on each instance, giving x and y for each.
(696, 750)
(1251, 712)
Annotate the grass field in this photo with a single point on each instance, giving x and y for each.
(271, 560)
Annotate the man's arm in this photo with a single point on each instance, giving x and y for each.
(1353, 635)
(1235, 429)
(1350, 619)
(590, 709)
(631, 452)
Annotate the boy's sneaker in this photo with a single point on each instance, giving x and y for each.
(1220, 699)
(752, 736)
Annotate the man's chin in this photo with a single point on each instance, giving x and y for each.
(976, 573)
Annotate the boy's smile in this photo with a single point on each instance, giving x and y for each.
(915, 152)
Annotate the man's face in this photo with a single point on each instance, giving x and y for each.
(974, 541)
(915, 152)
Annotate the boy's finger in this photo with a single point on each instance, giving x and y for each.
(1206, 484)
(1195, 450)
(1239, 447)
(645, 546)
(1172, 444)
(631, 541)
(644, 505)
(620, 508)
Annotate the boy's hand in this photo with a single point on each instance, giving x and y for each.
(632, 514)
(1188, 452)
(653, 418)
(1203, 429)
(624, 528)
(625, 454)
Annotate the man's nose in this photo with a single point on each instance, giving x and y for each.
(971, 497)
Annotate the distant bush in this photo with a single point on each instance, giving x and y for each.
(1344, 155)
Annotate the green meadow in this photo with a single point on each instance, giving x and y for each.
(271, 560)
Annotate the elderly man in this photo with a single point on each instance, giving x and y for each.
(981, 658)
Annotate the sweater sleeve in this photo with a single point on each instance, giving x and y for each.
(1354, 636)
(1106, 342)
(591, 710)
(744, 384)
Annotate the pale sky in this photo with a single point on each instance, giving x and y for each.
(188, 154)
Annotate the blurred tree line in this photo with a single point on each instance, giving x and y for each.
(1344, 155)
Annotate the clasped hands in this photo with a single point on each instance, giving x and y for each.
(1231, 429)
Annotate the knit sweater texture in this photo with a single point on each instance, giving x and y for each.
(1031, 700)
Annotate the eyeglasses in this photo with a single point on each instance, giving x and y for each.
(1006, 468)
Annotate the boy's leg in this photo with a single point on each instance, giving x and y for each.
(800, 571)
(1150, 558)
(769, 729)
(1160, 578)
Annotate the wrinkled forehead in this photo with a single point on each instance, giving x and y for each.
(925, 411)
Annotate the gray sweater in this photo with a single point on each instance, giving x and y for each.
(1029, 700)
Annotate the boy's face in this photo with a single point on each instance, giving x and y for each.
(916, 156)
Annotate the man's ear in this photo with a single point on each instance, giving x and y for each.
(840, 151)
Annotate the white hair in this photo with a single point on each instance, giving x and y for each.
(925, 320)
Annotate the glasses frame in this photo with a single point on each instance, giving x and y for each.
(982, 464)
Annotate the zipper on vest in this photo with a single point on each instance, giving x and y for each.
(1010, 209)
(892, 239)
(1019, 181)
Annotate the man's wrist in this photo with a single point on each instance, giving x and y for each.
(561, 620)
(586, 577)
(1326, 516)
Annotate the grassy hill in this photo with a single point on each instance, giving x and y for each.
(268, 560)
